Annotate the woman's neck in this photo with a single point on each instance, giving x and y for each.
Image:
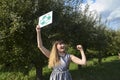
(61, 53)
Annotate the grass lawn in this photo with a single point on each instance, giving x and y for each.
(108, 70)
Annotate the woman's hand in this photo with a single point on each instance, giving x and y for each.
(37, 28)
(79, 47)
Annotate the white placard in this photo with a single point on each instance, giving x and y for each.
(45, 19)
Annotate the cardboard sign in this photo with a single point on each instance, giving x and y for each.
(45, 19)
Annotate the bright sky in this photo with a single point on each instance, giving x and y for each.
(108, 9)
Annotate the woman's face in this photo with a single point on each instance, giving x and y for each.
(61, 47)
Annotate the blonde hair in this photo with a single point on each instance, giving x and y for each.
(54, 58)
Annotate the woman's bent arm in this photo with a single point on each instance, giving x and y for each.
(77, 60)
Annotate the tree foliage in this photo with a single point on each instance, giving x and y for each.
(18, 19)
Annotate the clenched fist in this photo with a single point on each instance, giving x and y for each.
(79, 47)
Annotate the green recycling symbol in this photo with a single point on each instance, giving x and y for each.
(45, 19)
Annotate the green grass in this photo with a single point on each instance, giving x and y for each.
(12, 76)
(108, 70)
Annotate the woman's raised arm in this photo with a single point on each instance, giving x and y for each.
(45, 51)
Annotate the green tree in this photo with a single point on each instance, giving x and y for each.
(18, 37)
(17, 32)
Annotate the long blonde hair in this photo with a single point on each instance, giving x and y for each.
(54, 58)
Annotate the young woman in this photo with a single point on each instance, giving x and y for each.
(59, 60)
